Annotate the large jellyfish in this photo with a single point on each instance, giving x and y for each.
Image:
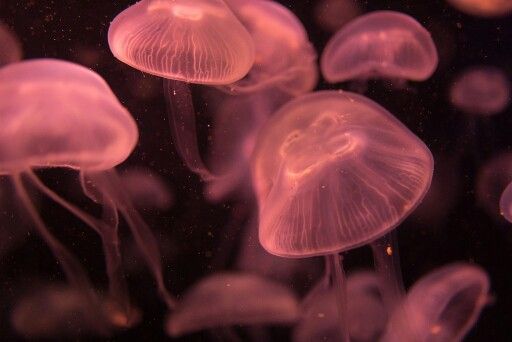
(381, 44)
(10, 47)
(333, 171)
(199, 41)
(483, 8)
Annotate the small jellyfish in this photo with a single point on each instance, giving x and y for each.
(10, 50)
(147, 189)
(506, 203)
(334, 171)
(442, 306)
(199, 41)
(482, 90)
(284, 57)
(331, 15)
(227, 299)
(483, 8)
(381, 44)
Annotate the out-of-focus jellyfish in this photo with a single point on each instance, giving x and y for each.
(199, 41)
(284, 57)
(483, 8)
(59, 114)
(331, 15)
(482, 90)
(227, 299)
(333, 171)
(366, 313)
(491, 181)
(10, 50)
(147, 189)
(442, 306)
(381, 44)
(506, 203)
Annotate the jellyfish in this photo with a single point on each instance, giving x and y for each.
(331, 15)
(11, 47)
(199, 41)
(481, 90)
(284, 57)
(333, 171)
(366, 313)
(506, 203)
(59, 114)
(442, 306)
(381, 44)
(146, 189)
(227, 299)
(483, 8)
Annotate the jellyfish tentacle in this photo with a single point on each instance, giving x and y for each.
(338, 280)
(181, 113)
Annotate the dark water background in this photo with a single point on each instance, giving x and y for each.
(191, 230)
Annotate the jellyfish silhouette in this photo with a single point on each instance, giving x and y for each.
(11, 47)
(198, 41)
(333, 171)
(331, 15)
(483, 8)
(506, 203)
(442, 306)
(481, 90)
(284, 57)
(147, 189)
(226, 299)
(381, 44)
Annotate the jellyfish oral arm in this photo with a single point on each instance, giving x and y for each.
(337, 279)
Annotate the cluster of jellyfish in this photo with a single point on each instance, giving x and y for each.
(330, 171)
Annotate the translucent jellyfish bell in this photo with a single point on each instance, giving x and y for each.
(331, 15)
(506, 203)
(198, 41)
(333, 171)
(147, 189)
(381, 44)
(483, 8)
(483, 90)
(10, 50)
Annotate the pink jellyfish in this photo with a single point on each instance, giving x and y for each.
(442, 306)
(10, 50)
(506, 203)
(381, 44)
(226, 299)
(333, 171)
(59, 114)
(194, 41)
(284, 57)
(483, 8)
(331, 15)
(147, 189)
(483, 90)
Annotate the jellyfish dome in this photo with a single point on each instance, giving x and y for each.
(483, 90)
(483, 8)
(198, 41)
(333, 171)
(10, 50)
(381, 44)
(506, 203)
(72, 118)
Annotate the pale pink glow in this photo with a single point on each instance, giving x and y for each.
(284, 57)
(482, 90)
(56, 113)
(506, 203)
(483, 8)
(331, 15)
(381, 44)
(147, 189)
(332, 171)
(442, 306)
(227, 299)
(10, 47)
(196, 41)
(366, 314)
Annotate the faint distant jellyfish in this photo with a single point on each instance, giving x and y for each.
(147, 189)
(45, 124)
(483, 90)
(483, 8)
(227, 299)
(381, 44)
(10, 47)
(331, 15)
(333, 171)
(284, 57)
(442, 306)
(198, 41)
(506, 203)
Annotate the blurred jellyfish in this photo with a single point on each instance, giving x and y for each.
(146, 189)
(491, 182)
(506, 203)
(59, 114)
(10, 50)
(227, 299)
(483, 90)
(198, 41)
(381, 44)
(333, 171)
(331, 15)
(442, 306)
(284, 57)
(483, 8)
(366, 313)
